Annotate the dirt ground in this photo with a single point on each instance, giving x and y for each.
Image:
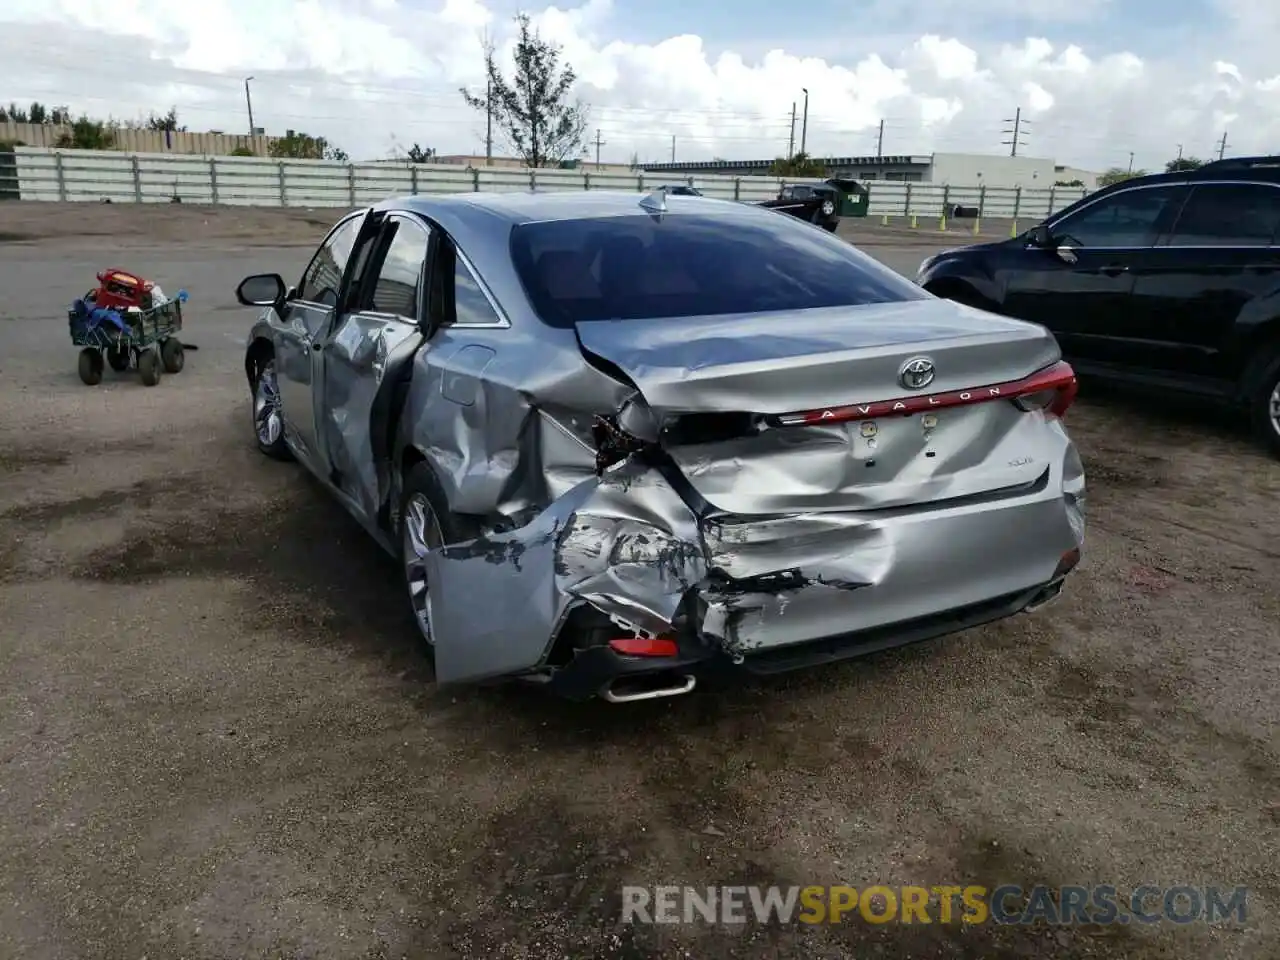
(217, 738)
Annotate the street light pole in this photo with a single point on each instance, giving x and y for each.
(804, 124)
(248, 102)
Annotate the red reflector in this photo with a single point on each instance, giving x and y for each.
(644, 647)
(1058, 377)
(1067, 563)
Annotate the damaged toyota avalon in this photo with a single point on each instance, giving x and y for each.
(618, 441)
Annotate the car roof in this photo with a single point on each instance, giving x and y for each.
(529, 207)
(1232, 168)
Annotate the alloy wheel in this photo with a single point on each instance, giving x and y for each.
(266, 406)
(1273, 408)
(421, 536)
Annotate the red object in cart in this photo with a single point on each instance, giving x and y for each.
(120, 289)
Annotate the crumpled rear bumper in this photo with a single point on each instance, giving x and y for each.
(756, 594)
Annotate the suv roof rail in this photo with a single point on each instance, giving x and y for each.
(1241, 163)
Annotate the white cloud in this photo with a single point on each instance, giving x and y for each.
(365, 73)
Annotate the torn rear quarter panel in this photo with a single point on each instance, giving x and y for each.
(624, 542)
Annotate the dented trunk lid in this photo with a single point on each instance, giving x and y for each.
(781, 363)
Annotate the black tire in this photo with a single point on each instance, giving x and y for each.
(269, 437)
(90, 365)
(149, 367)
(420, 484)
(1265, 405)
(118, 358)
(172, 355)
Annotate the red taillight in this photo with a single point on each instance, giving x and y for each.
(1052, 390)
(644, 646)
(1067, 563)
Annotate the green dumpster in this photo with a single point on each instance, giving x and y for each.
(855, 197)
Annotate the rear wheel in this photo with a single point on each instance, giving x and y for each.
(426, 524)
(171, 355)
(1266, 406)
(149, 367)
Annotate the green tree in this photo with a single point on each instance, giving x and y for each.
(797, 165)
(167, 123)
(534, 112)
(86, 134)
(417, 154)
(242, 152)
(1068, 183)
(302, 146)
(37, 113)
(1118, 175)
(1183, 163)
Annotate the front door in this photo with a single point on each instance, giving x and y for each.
(303, 321)
(1190, 290)
(363, 357)
(1081, 287)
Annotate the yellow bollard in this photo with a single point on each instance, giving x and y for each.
(1013, 230)
(942, 222)
(977, 226)
(884, 220)
(914, 222)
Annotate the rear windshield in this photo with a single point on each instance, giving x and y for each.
(645, 267)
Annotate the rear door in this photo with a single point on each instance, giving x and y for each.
(1085, 299)
(303, 321)
(1189, 290)
(363, 356)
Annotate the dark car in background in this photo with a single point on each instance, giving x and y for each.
(820, 203)
(1170, 281)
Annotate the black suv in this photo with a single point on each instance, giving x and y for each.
(1170, 280)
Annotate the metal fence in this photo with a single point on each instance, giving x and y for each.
(84, 175)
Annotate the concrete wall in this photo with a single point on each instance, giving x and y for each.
(994, 171)
(140, 141)
(84, 175)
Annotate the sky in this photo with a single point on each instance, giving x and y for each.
(1096, 79)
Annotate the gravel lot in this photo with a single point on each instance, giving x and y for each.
(217, 740)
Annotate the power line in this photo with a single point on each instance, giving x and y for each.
(599, 143)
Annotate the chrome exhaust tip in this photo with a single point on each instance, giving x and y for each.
(628, 689)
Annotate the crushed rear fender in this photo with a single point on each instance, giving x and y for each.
(623, 542)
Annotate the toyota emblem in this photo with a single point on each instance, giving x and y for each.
(916, 373)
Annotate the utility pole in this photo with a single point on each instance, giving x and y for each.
(804, 125)
(1222, 145)
(791, 141)
(1017, 131)
(1131, 161)
(880, 142)
(248, 102)
(1179, 151)
(673, 148)
(599, 143)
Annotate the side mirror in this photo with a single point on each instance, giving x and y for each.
(1066, 254)
(261, 290)
(1041, 237)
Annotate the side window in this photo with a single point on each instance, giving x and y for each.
(1228, 215)
(324, 274)
(1128, 219)
(396, 288)
(803, 193)
(471, 306)
(786, 193)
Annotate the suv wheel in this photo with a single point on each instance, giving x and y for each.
(1266, 407)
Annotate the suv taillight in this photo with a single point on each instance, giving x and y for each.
(1053, 390)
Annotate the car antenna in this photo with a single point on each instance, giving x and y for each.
(656, 202)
